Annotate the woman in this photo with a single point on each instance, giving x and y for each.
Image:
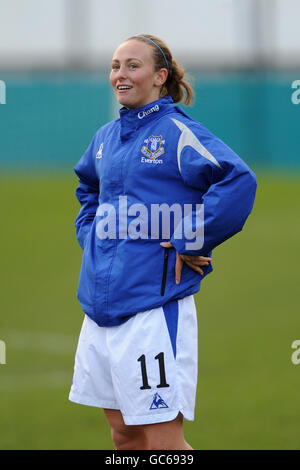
(158, 192)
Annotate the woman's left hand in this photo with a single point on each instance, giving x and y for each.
(193, 261)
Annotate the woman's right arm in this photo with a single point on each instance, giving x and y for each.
(87, 192)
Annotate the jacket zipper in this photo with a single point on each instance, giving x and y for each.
(165, 270)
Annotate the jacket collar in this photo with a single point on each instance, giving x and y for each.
(133, 119)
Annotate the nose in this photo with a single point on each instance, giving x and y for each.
(121, 73)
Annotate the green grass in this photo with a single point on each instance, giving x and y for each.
(248, 317)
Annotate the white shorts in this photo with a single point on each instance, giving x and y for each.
(146, 367)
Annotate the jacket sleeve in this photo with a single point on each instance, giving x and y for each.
(87, 192)
(227, 186)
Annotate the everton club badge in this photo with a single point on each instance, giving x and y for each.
(154, 147)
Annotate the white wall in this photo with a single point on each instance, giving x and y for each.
(190, 27)
(31, 30)
(288, 29)
(207, 33)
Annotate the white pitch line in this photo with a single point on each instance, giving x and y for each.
(41, 342)
(40, 380)
(53, 343)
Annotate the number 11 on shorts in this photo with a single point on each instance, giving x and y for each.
(162, 371)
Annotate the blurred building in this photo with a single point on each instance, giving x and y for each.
(215, 34)
(55, 58)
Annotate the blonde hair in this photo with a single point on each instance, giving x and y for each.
(175, 85)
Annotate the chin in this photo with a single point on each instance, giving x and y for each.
(128, 102)
(125, 103)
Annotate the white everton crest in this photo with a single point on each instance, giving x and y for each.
(154, 147)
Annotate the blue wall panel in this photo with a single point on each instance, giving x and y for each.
(49, 119)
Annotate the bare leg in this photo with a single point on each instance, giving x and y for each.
(125, 437)
(166, 436)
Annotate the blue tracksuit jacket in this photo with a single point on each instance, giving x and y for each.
(151, 160)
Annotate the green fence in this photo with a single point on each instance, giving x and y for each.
(49, 119)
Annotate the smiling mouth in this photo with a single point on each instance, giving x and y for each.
(124, 87)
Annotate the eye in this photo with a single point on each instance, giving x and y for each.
(115, 67)
(133, 66)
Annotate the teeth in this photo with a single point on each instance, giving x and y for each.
(123, 87)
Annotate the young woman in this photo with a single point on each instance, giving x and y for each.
(158, 192)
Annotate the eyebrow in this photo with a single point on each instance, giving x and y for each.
(127, 60)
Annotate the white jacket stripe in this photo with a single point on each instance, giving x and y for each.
(188, 138)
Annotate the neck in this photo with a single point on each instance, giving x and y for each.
(135, 118)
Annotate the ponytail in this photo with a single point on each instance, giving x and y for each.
(175, 86)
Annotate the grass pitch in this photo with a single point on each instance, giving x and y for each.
(248, 317)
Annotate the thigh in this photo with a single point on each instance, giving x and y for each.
(166, 435)
(124, 437)
(116, 421)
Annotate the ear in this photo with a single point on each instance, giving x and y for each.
(160, 77)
